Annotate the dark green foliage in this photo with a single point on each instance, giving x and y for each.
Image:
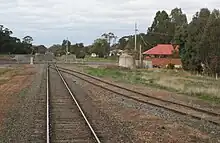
(161, 24)
(77, 49)
(109, 37)
(100, 47)
(200, 42)
(13, 45)
(81, 54)
(161, 31)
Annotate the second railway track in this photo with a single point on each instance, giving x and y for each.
(179, 108)
(66, 121)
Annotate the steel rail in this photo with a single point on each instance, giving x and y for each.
(78, 106)
(136, 92)
(146, 102)
(48, 112)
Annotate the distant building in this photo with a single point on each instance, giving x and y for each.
(162, 55)
(94, 55)
(40, 49)
(115, 52)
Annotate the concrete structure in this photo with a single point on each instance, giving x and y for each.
(126, 60)
(67, 58)
(31, 60)
(22, 58)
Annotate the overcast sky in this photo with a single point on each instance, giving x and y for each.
(50, 21)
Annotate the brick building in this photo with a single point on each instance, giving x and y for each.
(163, 54)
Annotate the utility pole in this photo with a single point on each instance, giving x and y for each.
(140, 56)
(135, 37)
(67, 46)
(67, 42)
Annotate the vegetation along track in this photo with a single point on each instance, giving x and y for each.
(183, 109)
(66, 121)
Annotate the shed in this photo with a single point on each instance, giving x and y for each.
(126, 60)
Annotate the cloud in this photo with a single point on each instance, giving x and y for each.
(50, 21)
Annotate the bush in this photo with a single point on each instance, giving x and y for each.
(80, 55)
(170, 66)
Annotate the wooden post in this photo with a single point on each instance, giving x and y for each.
(140, 56)
(216, 76)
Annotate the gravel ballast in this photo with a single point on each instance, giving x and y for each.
(110, 130)
(160, 125)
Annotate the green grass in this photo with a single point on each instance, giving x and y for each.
(170, 81)
(133, 77)
(104, 72)
(109, 59)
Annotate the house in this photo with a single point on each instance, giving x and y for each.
(115, 52)
(162, 55)
(94, 55)
(40, 49)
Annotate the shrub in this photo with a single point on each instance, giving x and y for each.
(81, 55)
(170, 66)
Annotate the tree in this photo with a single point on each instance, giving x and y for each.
(28, 40)
(161, 30)
(123, 41)
(78, 49)
(209, 45)
(195, 30)
(177, 17)
(109, 37)
(65, 44)
(100, 47)
(12, 45)
(7, 32)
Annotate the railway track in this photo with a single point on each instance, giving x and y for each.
(183, 109)
(66, 121)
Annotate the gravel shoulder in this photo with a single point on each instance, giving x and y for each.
(18, 124)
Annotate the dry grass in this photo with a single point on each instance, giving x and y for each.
(4, 74)
(7, 73)
(205, 88)
(185, 82)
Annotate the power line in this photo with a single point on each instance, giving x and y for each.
(162, 34)
(146, 42)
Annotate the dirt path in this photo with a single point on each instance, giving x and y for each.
(15, 80)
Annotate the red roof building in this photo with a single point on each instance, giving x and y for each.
(161, 49)
(163, 54)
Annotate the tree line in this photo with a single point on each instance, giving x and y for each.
(100, 46)
(13, 45)
(199, 40)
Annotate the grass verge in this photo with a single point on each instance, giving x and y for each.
(96, 59)
(173, 82)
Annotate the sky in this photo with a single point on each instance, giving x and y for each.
(51, 21)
